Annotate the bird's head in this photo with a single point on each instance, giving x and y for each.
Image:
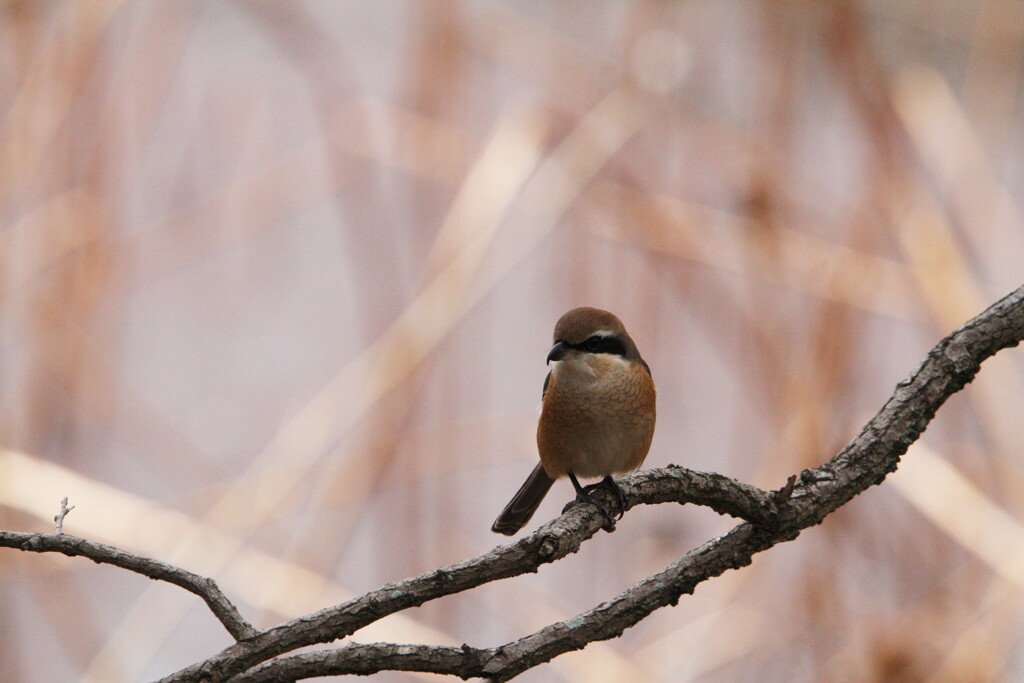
(588, 338)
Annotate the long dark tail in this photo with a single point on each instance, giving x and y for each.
(524, 503)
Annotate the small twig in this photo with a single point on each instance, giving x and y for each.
(782, 495)
(59, 517)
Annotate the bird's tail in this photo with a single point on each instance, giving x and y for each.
(524, 503)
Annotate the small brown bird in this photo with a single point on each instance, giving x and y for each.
(597, 417)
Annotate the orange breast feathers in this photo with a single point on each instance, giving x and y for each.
(597, 417)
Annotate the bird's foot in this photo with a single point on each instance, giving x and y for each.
(610, 483)
(583, 496)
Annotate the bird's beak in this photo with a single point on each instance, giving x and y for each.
(558, 351)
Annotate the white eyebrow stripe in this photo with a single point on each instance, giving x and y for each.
(603, 333)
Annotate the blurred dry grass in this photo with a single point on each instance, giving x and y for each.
(276, 281)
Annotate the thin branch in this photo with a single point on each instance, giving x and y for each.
(363, 660)
(72, 546)
(676, 484)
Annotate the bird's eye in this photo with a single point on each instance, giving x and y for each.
(602, 344)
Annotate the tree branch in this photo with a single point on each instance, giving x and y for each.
(562, 536)
(364, 660)
(772, 517)
(865, 461)
(72, 546)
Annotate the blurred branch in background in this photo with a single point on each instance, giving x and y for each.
(216, 219)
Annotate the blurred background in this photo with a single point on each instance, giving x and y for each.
(277, 281)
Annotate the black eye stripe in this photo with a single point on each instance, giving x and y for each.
(602, 344)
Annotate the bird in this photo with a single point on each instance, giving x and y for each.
(597, 414)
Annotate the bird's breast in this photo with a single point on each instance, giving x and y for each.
(597, 417)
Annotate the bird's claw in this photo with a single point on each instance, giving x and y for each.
(610, 483)
(585, 497)
(619, 493)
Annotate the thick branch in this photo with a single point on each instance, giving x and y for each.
(73, 546)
